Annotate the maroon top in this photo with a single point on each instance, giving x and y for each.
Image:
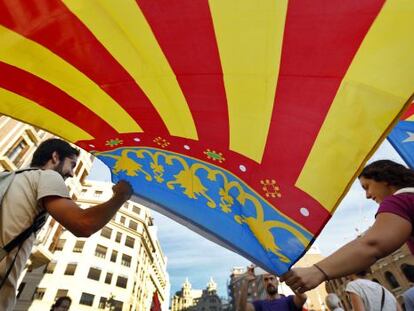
(401, 204)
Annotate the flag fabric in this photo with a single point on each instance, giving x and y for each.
(155, 304)
(246, 121)
(402, 137)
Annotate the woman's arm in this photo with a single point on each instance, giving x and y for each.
(387, 234)
(357, 303)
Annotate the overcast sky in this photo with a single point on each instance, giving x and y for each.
(190, 255)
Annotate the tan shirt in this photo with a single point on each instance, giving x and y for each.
(20, 206)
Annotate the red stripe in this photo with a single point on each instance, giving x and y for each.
(52, 98)
(52, 25)
(185, 33)
(320, 41)
(409, 112)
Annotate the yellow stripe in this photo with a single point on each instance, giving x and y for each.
(32, 57)
(25, 110)
(249, 37)
(370, 98)
(122, 29)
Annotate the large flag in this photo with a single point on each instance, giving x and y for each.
(246, 121)
(402, 136)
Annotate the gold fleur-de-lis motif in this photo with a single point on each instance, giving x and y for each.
(193, 187)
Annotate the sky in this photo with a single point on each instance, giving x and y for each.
(190, 255)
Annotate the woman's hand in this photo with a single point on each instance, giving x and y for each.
(303, 279)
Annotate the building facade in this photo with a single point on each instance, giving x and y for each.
(394, 272)
(118, 268)
(188, 299)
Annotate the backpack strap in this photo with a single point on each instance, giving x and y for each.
(37, 224)
(382, 298)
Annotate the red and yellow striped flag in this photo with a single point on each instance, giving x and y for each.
(245, 120)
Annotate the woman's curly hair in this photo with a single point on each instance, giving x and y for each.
(393, 173)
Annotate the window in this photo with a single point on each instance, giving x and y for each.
(114, 255)
(133, 225)
(126, 260)
(117, 305)
(39, 293)
(108, 278)
(408, 271)
(78, 168)
(86, 299)
(121, 282)
(20, 289)
(106, 232)
(102, 303)
(100, 251)
(50, 267)
(17, 151)
(60, 244)
(118, 237)
(78, 248)
(61, 293)
(70, 269)
(122, 220)
(94, 274)
(130, 242)
(391, 279)
(136, 209)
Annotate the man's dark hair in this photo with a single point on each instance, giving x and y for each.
(45, 150)
(393, 173)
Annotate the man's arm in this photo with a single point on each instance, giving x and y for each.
(356, 301)
(299, 300)
(243, 304)
(85, 222)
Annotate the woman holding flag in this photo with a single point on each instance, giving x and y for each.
(391, 185)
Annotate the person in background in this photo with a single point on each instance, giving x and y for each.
(366, 295)
(333, 302)
(391, 185)
(408, 297)
(61, 304)
(274, 301)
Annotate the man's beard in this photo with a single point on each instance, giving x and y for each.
(271, 290)
(59, 169)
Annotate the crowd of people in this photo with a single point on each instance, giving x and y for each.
(41, 189)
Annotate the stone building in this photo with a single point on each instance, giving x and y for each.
(185, 298)
(188, 299)
(121, 266)
(394, 272)
(209, 300)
